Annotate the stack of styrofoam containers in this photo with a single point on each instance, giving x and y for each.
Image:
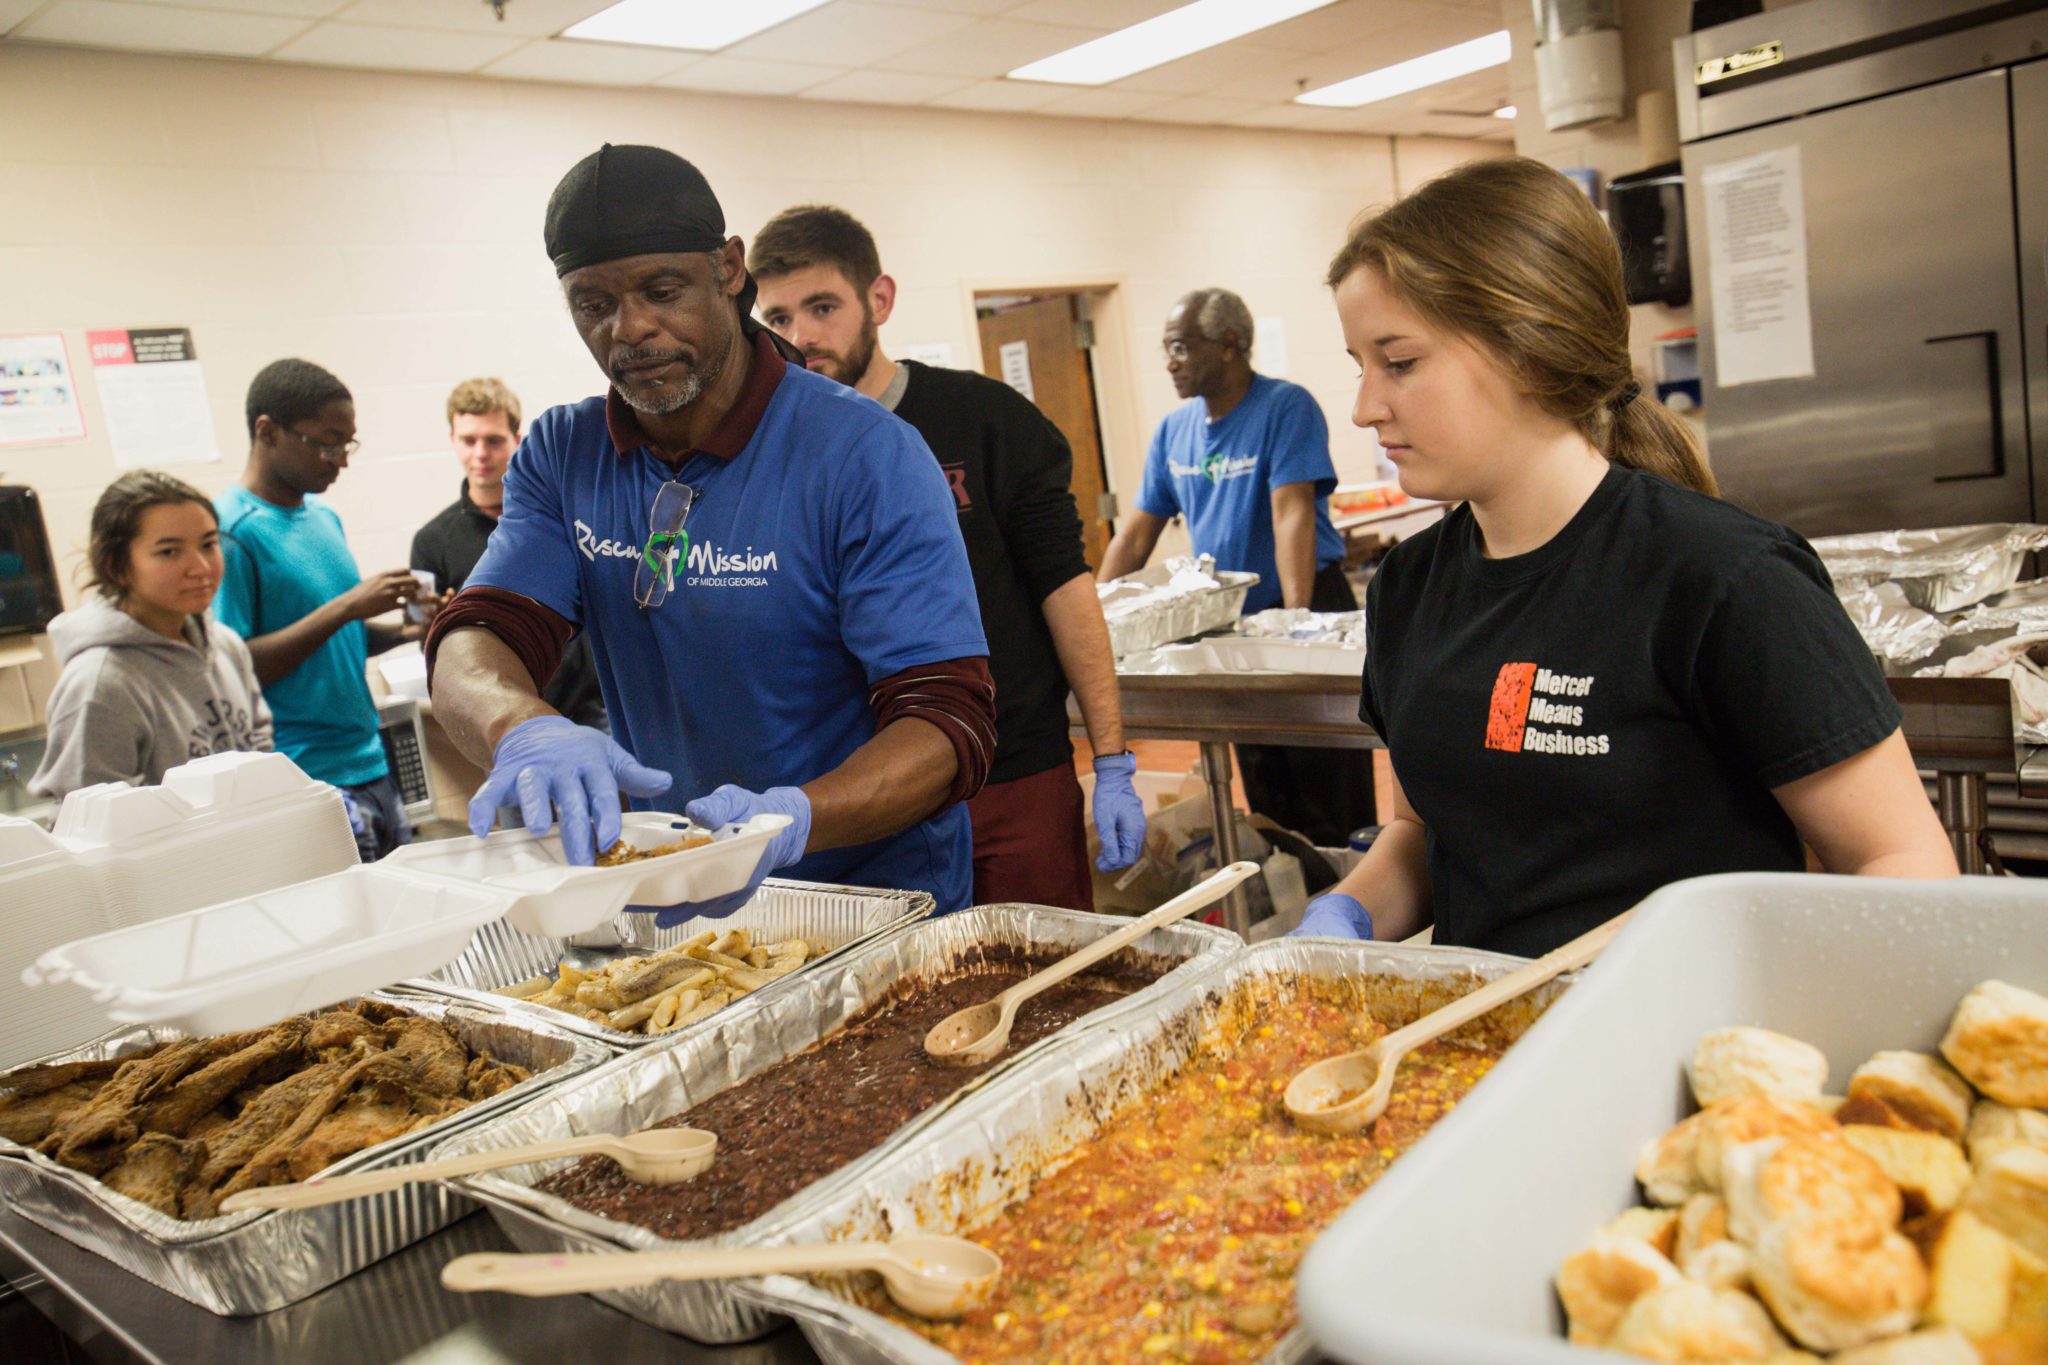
(227, 826)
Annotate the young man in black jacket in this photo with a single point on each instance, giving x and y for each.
(823, 290)
(483, 430)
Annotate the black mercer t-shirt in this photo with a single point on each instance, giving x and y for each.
(1010, 471)
(1579, 725)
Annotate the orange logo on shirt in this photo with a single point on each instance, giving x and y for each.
(1510, 710)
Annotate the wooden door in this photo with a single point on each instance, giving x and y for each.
(1064, 390)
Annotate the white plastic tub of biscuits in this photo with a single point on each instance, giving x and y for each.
(1784, 1118)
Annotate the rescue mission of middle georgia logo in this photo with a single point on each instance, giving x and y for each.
(1216, 468)
(1522, 699)
(704, 565)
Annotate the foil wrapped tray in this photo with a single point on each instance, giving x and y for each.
(252, 1262)
(1173, 601)
(989, 1149)
(653, 1083)
(830, 918)
(1941, 570)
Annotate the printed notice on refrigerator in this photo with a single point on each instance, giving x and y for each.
(1017, 367)
(1756, 247)
(154, 396)
(38, 392)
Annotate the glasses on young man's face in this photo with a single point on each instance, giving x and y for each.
(332, 453)
(654, 576)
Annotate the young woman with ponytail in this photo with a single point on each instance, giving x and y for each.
(1593, 676)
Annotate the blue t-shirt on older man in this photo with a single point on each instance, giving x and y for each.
(281, 565)
(823, 558)
(1221, 475)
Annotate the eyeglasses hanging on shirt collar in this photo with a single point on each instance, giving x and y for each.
(654, 576)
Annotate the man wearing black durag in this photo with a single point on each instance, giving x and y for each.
(765, 563)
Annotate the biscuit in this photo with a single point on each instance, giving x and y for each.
(2010, 1194)
(1731, 1123)
(1995, 1127)
(1723, 1264)
(1695, 1322)
(1780, 1179)
(1835, 1284)
(1598, 1284)
(1998, 1039)
(1930, 1346)
(1730, 1063)
(1658, 1227)
(1702, 1223)
(1919, 1087)
(1970, 1270)
(1668, 1168)
(1930, 1170)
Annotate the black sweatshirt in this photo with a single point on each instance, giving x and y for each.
(449, 547)
(1010, 471)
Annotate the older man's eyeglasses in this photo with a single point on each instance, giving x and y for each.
(654, 576)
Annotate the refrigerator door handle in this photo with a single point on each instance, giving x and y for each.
(1994, 409)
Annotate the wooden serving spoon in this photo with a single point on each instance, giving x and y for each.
(976, 1034)
(1345, 1093)
(659, 1156)
(931, 1276)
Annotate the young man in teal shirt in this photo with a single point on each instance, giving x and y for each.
(291, 588)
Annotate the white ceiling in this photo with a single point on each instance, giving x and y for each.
(945, 53)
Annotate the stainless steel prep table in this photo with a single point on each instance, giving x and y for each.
(392, 1311)
(1959, 729)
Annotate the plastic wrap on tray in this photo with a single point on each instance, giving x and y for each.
(1176, 600)
(828, 918)
(989, 1150)
(1941, 570)
(256, 1261)
(653, 1083)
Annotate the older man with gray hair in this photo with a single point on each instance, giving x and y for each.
(1246, 459)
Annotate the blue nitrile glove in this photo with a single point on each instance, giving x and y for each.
(551, 764)
(731, 805)
(1119, 813)
(1335, 915)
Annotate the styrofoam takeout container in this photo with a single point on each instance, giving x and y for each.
(550, 897)
(1454, 1255)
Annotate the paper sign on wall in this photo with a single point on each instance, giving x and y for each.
(154, 395)
(935, 353)
(1016, 357)
(38, 392)
(1269, 345)
(1756, 249)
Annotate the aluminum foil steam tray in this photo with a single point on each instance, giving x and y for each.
(252, 1262)
(1154, 615)
(1942, 570)
(988, 1150)
(652, 1083)
(830, 918)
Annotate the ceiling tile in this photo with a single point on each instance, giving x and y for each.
(291, 9)
(1104, 104)
(1347, 22)
(1198, 109)
(849, 33)
(523, 18)
(1297, 116)
(156, 28)
(743, 76)
(990, 48)
(1107, 15)
(380, 47)
(1010, 97)
(13, 12)
(558, 59)
(1201, 72)
(884, 87)
(977, 7)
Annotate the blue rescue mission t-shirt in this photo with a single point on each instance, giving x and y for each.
(822, 559)
(1221, 475)
(280, 565)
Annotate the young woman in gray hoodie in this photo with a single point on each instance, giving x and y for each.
(149, 681)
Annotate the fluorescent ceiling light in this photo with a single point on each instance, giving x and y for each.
(1430, 69)
(1505, 111)
(696, 25)
(1162, 39)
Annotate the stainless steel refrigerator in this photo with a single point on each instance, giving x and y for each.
(1922, 167)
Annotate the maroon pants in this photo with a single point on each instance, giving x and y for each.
(1029, 844)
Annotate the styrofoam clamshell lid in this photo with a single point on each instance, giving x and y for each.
(219, 781)
(112, 813)
(550, 897)
(22, 839)
(251, 961)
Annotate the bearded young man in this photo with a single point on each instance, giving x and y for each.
(782, 619)
(824, 292)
